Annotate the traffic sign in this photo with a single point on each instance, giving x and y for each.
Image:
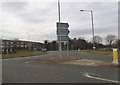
(63, 38)
(62, 25)
(62, 31)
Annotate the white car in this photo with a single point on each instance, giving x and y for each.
(44, 50)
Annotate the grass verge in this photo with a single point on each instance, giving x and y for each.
(22, 54)
(118, 56)
(57, 59)
(100, 52)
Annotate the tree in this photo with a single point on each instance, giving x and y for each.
(119, 44)
(116, 43)
(54, 45)
(109, 39)
(81, 43)
(97, 39)
(75, 44)
(46, 44)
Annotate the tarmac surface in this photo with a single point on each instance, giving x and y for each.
(24, 70)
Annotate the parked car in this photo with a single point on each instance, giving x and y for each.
(44, 50)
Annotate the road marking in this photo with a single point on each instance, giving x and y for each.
(98, 78)
(26, 62)
(26, 57)
(36, 56)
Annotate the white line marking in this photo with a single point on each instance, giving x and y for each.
(25, 57)
(98, 78)
(26, 62)
(36, 56)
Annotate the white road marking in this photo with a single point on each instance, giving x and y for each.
(98, 78)
(25, 57)
(26, 62)
(36, 56)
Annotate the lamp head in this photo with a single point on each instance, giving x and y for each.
(81, 10)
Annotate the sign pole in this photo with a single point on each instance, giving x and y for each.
(59, 35)
(67, 47)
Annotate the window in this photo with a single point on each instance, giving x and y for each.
(3, 43)
(11, 45)
(11, 42)
(25, 46)
(17, 45)
(7, 43)
(17, 42)
(22, 42)
(22, 45)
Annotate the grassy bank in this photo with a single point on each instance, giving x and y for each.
(22, 54)
(100, 52)
(118, 56)
(57, 59)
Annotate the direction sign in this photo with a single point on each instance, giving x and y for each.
(62, 31)
(62, 25)
(63, 38)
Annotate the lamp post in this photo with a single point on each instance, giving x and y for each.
(92, 27)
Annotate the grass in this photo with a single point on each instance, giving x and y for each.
(0, 55)
(57, 59)
(21, 54)
(100, 52)
(119, 56)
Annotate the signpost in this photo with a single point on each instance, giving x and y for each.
(63, 38)
(62, 31)
(62, 34)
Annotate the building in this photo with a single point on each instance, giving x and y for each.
(22, 45)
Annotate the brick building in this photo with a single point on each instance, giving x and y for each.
(22, 45)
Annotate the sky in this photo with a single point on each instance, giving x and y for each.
(35, 20)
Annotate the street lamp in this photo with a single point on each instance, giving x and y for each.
(92, 27)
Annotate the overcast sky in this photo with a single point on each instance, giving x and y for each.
(38, 19)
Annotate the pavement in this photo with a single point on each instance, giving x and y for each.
(24, 70)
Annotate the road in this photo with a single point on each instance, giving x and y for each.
(23, 70)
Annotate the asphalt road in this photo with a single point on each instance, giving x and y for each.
(23, 70)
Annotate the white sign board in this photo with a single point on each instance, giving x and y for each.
(63, 38)
(62, 31)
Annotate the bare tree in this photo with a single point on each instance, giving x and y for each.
(110, 38)
(97, 39)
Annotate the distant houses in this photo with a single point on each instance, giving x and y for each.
(22, 45)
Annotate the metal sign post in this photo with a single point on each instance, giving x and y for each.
(67, 47)
(62, 32)
(59, 28)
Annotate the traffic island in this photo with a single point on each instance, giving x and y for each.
(58, 59)
(98, 52)
(74, 61)
(87, 62)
